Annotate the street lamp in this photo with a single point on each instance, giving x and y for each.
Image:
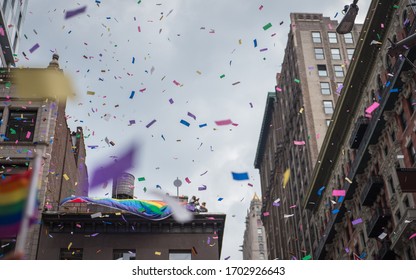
(347, 23)
(177, 183)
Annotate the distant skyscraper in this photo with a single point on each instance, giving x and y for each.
(295, 122)
(12, 15)
(254, 246)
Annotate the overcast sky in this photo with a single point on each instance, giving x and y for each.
(191, 42)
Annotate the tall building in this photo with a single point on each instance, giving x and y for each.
(295, 122)
(254, 246)
(31, 125)
(12, 15)
(362, 192)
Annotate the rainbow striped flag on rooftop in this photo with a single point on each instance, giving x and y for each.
(14, 192)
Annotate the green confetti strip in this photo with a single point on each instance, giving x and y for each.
(141, 179)
(267, 26)
(297, 81)
(222, 76)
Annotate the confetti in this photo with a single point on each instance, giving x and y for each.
(220, 199)
(374, 106)
(348, 180)
(66, 177)
(240, 176)
(267, 26)
(90, 92)
(308, 257)
(132, 94)
(171, 101)
(150, 124)
(192, 115)
(223, 122)
(96, 215)
(299, 143)
(72, 13)
(382, 235)
(357, 221)
(255, 43)
(338, 193)
(202, 125)
(286, 177)
(202, 188)
(34, 48)
(187, 180)
(265, 214)
(158, 253)
(185, 123)
(412, 236)
(141, 179)
(69, 245)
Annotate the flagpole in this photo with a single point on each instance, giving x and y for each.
(30, 204)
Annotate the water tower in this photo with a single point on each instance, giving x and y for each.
(123, 186)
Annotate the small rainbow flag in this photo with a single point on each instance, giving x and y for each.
(14, 192)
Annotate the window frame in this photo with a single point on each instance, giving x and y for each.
(320, 74)
(325, 90)
(327, 107)
(336, 72)
(319, 56)
(21, 131)
(350, 55)
(314, 38)
(331, 38)
(348, 38)
(336, 56)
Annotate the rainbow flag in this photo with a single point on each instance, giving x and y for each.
(154, 210)
(14, 192)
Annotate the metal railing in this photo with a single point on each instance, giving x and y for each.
(409, 216)
(379, 214)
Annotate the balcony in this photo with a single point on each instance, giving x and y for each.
(371, 190)
(384, 253)
(407, 179)
(402, 227)
(357, 134)
(378, 221)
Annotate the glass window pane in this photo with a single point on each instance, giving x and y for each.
(332, 36)
(319, 53)
(350, 53)
(348, 38)
(335, 54)
(325, 88)
(180, 255)
(339, 72)
(124, 254)
(322, 71)
(316, 37)
(21, 126)
(328, 108)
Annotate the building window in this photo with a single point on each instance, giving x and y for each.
(322, 71)
(21, 126)
(259, 231)
(262, 257)
(328, 122)
(13, 2)
(339, 72)
(328, 108)
(398, 215)
(72, 254)
(124, 254)
(332, 37)
(391, 185)
(350, 53)
(335, 54)
(261, 247)
(319, 53)
(406, 202)
(412, 153)
(7, 246)
(348, 38)
(260, 238)
(325, 88)
(9, 169)
(393, 136)
(180, 255)
(316, 37)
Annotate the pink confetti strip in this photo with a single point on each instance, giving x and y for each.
(374, 106)
(278, 89)
(187, 180)
(338, 193)
(138, 28)
(299, 143)
(2, 31)
(176, 83)
(224, 122)
(28, 134)
(412, 236)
